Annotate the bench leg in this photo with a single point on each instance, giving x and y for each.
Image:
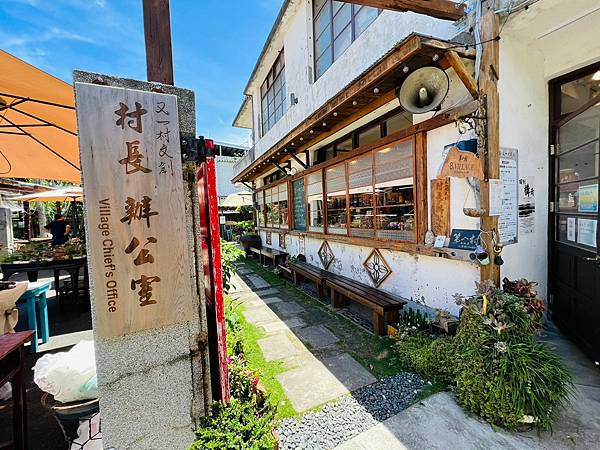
(295, 276)
(378, 325)
(335, 298)
(320, 290)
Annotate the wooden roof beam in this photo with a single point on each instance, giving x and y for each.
(440, 9)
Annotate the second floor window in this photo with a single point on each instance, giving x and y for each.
(336, 26)
(273, 94)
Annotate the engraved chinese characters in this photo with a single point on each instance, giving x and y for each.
(133, 186)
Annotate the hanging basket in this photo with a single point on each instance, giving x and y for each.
(474, 212)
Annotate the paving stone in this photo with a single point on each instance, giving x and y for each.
(317, 336)
(260, 315)
(258, 282)
(268, 292)
(244, 271)
(283, 326)
(289, 308)
(278, 346)
(262, 301)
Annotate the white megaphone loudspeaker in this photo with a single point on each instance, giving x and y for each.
(424, 90)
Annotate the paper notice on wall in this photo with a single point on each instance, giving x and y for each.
(526, 205)
(508, 220)
(586, 232)
(571, 224)
(495, 197)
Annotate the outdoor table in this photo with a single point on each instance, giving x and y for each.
(72, 266)
(12, 368)
(35, 298)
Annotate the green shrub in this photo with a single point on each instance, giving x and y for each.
(230, 253)
(498, 369)
(235, 426)
(432, 358)
(412, 318)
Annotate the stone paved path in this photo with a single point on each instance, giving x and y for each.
(318, 370)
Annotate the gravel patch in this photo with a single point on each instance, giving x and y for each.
(340, 421)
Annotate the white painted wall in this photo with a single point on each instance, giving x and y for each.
(224, 170)
(386, 31)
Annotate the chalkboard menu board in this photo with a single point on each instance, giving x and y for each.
(299, 205)
(464, 239)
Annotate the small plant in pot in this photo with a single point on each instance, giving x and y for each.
(250, 240)
(445, 321)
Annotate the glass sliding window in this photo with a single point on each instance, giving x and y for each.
(360, 189)
(335, 179)
(336, 25)
(273, 94)
(269, 208)
(394, 192)
(369, 135)
(314, 201)
(398, 122)
(260, 213)
(343, 146)
(283, 206)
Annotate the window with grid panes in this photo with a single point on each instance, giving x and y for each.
(394, 192)
(360, 190)
(336, 199)
(314, 201)
(336, 26)
(283, 206)
(273, 94)
(260, 200)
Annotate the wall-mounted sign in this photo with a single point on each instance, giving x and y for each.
(133, 187)
(464, 239)
(508, 222)
(526, 205)
(440, 206)
(588, 198)
(461, 164)
(299, 204)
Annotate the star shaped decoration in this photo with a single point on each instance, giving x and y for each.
(377, 268)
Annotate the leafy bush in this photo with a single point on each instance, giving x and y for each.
(235, 426)
(498, 369)
(243, 226)
(230, 253)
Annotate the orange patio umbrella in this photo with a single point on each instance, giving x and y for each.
(38, 129)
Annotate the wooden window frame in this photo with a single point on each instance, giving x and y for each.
(271, 88)
(354, 9)
(420, 194)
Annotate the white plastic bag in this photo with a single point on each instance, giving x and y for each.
(68, 376)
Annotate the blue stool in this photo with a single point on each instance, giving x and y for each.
(36, 295)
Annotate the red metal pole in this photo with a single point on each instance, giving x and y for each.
(213, 277)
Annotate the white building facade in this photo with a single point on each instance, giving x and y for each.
(323, 108)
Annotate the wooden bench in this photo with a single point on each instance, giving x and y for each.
(385, 307)
(309, 272)
(255, 252)
(272, 254)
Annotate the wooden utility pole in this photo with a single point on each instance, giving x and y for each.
(157, 31)
(488, 86)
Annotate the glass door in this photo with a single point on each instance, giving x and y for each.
(574, 276)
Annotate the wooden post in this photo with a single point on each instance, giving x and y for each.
(488, 79)
(157, 30)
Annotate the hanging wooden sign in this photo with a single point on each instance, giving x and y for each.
(133, 186)
(440, 207)
(461, 164)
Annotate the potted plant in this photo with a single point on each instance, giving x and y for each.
(249, 240)
(445, 321)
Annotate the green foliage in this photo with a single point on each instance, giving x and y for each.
(243, 226)
(412, 318)
(431, 357)
(230, 253)
(246, 211)
(497, 367)
(235, 426)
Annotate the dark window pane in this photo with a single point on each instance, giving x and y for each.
(398, 122)
(344, 146)
(314, 192)
(578, 164)
(580, 130)
(335, 180)
(369, 135)
(360, 189)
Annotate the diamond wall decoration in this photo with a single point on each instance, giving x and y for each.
(377, 268)
(326, 254)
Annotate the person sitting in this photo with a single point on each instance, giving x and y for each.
(58, 229)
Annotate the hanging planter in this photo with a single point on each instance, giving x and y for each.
(474, 212)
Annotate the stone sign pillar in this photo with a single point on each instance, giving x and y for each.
(6, 230)
(147, 291)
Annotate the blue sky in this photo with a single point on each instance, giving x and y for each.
(215, 46)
